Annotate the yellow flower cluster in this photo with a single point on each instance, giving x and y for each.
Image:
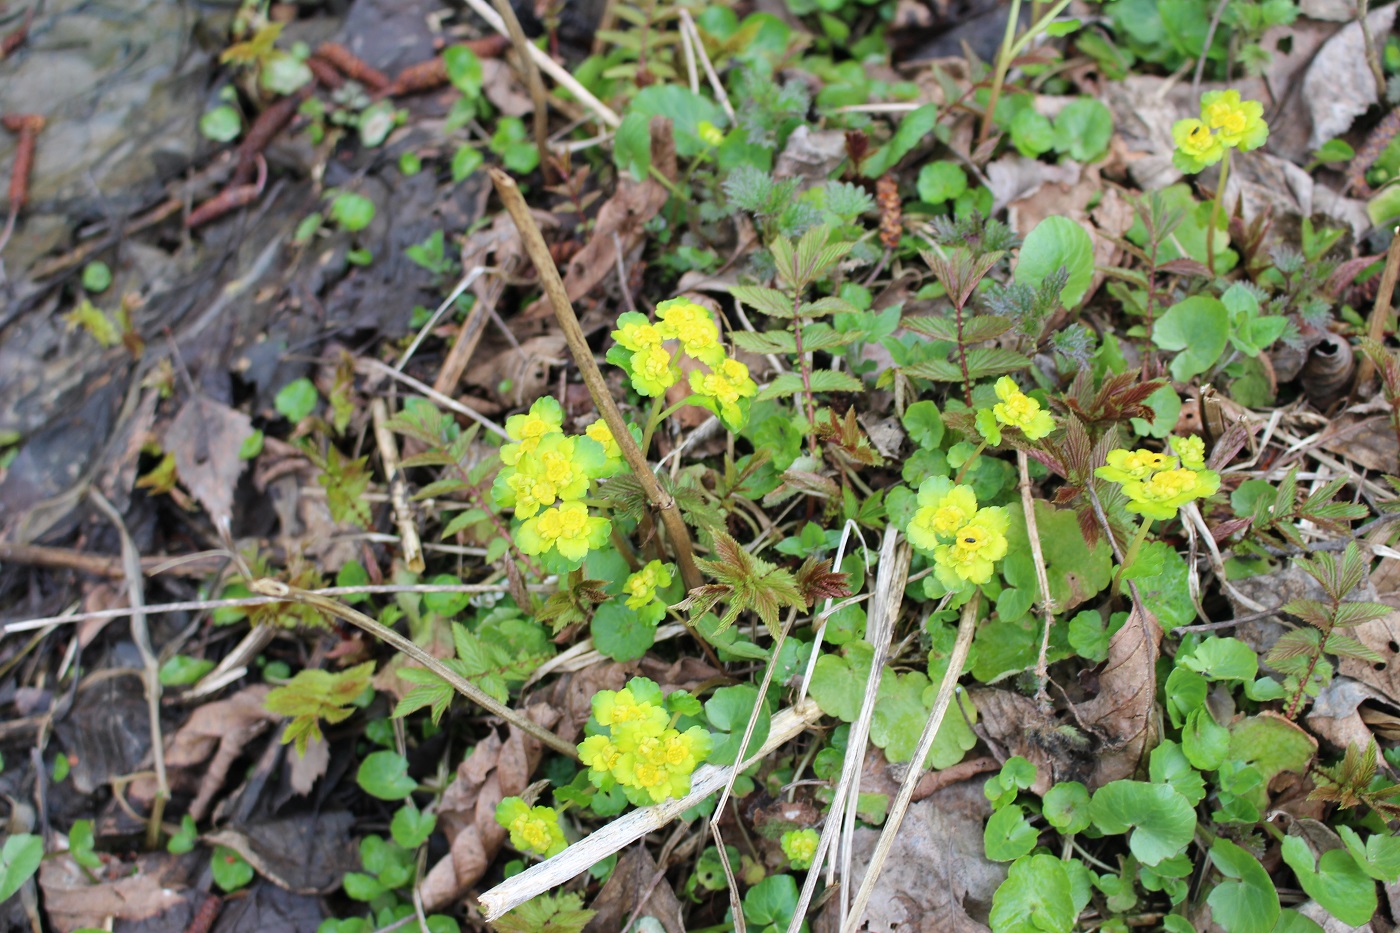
(800, 846)
(1158, 484)
(532, 829)
(641, 589)
(966, 541)
(1226, 123)
(1017, 410)
(640, 750)
(641, 351)
(545, 474)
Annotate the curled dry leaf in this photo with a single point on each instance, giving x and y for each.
(205, 438)
(635, 877)
(1123, 712)
(305, 854)
(140, 891)
(1339, 87)
(495, 769)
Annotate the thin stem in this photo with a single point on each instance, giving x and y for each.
(967, 464)
(806, 373)
(1131, 554)
(279, 590)
(1003, 66)
(553, 287)
(1047, 605)
(654, 418)
(1215, 211)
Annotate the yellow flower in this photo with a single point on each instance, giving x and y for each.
(724, 391)
(544, 418)
(652, 372)
(601, 433)
(599, 753)
(1125, 466)
(1191, 450)
(1021, 411)
(943, 509)
(567, 528)
(1196, 146)
(619, 707)
(709, 134)
(532, 829)
(635, 332)
(800, 846)
(554, 471)
(694, 327)
(1237, 123)
(976, 547)
(1164, 492)
(641, 586)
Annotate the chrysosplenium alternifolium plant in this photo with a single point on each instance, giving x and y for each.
(545, 476)
(532, 829)
(634, 743)
(1226, 123)
(1157, 484)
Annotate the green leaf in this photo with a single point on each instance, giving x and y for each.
(361, 887)
(1168, 765)
(728, 711)
(1036, 897)
(80, 844)
(1335, 881)
(296, 400)
(1088, 637)
(1272, 745)
(912, 129)
(1205, 742)
(902, 706)
(1198, 327)
(353, 212)
(686, 111)
(181, 670)
(222, 125)
(466, 160)
(1074, 570)
(1162, 821)
(410, 826)
(822, 380)
(229, 869)
(97, 276)
(838, 680)
(1248, 904)
(1334, 150)
(1223, 659)
(1166, 591)
(19, 860)
(632, 146)
(1066, 807)
(1379, 857)
(621, 633)
(183, 840)
(924, 422)
(941, 181)
(772, 901)
(1008, 835)
(1056, 242)
(463, 70)
(1032, 133)
(1083, 129)
(384, 774)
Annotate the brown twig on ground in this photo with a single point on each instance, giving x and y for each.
(430, 74)
(1380, 311)
(553, 287)
(280, 590)
(16, 37)
(141, 635)
(265, 126)
(935, 781)
(325, 73)
(27, 125)
(352, 66)
(398, 493)
(228, 200)
(532, 80)
(101, 565)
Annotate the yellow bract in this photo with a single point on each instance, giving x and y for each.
(643, 753)
(1226, 122)
(1157, 485)
(1021, 411)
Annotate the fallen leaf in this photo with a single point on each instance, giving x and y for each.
(305, 854)
(305, 770)
(1383, 636)
(811, 155)
(1019, 727)
(1339, 87)
(495, 769)
(140, 891)
(1123, 713)
(936, 879)
(1334, 714)
(634, 877)
(205, 438)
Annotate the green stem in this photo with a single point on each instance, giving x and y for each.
(653, 420)
(1132, 553)
(967, 464)
(1003, 66)
(1215, 211)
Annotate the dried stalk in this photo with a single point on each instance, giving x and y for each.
(1380, 311)
(279, 590)
(398, 493)
(1047, 605)
(532, 79)
(553, 287)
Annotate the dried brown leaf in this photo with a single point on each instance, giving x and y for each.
(1123, 713)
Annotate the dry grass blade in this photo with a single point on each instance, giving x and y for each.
(625, 830)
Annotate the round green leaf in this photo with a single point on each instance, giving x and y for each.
(772, 901)
(296, 400)
(181, 670)
(410, 826)
(463, 70)
(465, 161)
(97, 276)
(447, 605)
(1008, 835)
(1205, 742)
(384, 774)
(353, 212)
(1083, 129)
(941, 181)
(621, 633)
(1223, 659)
(1199, 328)
(924, 423)
(1032, 133)
(1066, 807)
(1161, 820)
(684, 108)
(1336, 881)
(222, 124)
(728, 710)
(1248, 904)
(1056, 242)
(229, 869)
(1035, 898)
(1168, 765)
